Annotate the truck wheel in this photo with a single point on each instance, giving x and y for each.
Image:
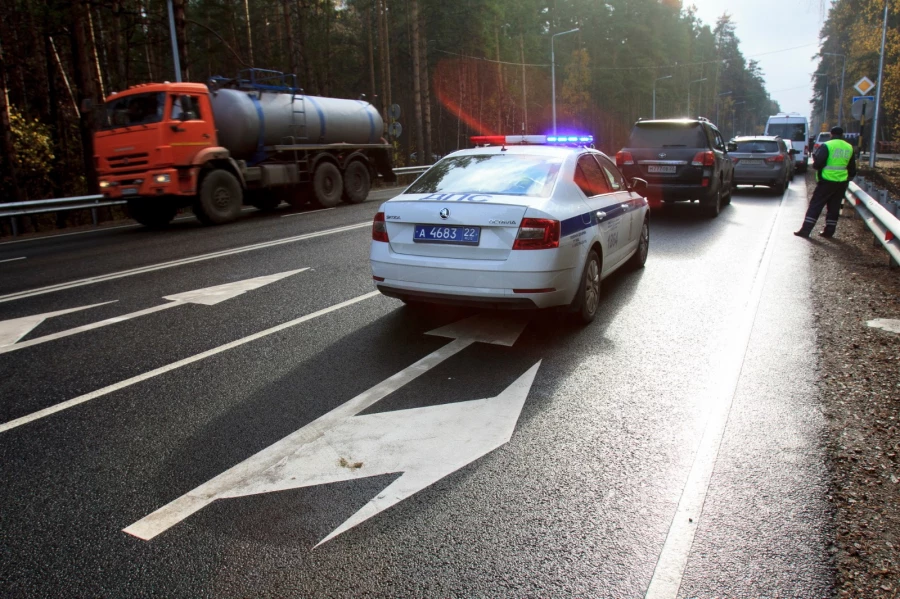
(156, 213)
(220, 199)
(327, 185)
(356, 182)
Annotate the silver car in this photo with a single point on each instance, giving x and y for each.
(760, 160)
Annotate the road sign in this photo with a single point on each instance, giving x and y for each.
(864, 107)
(395, 111)
(864, 85)
(424, 444)
(395, 129)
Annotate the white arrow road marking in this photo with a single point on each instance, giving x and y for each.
(209, 296)
(153, 267)
(16, 328)
(425, 444)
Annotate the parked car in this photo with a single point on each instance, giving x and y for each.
(761, 160)
(518, 222)
(681, 160)
(794, 128)
(820, 139)
(789, 156)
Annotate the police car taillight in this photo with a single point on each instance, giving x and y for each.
(379, 228)
(537, 234)
(624, 159)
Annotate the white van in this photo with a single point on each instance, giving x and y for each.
(794, 128)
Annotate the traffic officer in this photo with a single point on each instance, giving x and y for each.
(835, 165)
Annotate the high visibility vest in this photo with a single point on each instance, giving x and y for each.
(839, 155)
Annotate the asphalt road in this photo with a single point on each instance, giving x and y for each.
(670, 449)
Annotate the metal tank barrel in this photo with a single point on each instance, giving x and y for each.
(248, 119)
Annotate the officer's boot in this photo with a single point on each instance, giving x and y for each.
(828, 231)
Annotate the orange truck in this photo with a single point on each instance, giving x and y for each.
(253, 140)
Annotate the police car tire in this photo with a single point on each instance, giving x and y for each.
(356, 182)
(154, 214)
(584, 307)
(639, 258)
(328, 186)
(220, 198)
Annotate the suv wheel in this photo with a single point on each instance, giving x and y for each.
(714, 207)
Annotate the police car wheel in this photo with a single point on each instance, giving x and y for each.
(587, 299)
(639, 258)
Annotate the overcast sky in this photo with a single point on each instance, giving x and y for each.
(766, 25)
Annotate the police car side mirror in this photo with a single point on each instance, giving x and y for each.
(639, 185)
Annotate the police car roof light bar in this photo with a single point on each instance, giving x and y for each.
(504, 140)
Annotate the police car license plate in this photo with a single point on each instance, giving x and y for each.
(660, 169)
(439, 234)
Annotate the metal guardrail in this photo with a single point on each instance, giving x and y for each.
(411, 170)
(883, 223)
(54, 205)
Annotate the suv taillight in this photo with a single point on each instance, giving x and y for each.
(537, 234)
(773, 159)
(707, 158)
(379, 228)
(624, 158)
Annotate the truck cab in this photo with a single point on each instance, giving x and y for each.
(150, 137)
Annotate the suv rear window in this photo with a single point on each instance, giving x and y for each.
(667, 135)
(758, 147)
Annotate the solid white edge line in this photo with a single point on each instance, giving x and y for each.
(673, 558)
(175, 365)
(180, 262)
(13, 259)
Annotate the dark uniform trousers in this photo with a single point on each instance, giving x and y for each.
(827, 193)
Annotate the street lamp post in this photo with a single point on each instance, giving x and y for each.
(174, 43)
(841, 101)
(873, 148)
(734, 114)
(717, 104)
(553, 72)
(654, 92)
(689, 94)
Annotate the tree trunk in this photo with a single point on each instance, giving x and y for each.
(178, 7)
(249, 33)
(121, 49)
(426, 87)
(289, 31)
(417, 81)
(371, 49)
(95, 63)
(309, 75)
(382, 52)
(499, 83)
(81, 67)
(9, 149)
(524, 91)
(387, 53)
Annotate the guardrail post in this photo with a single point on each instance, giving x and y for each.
(14, 222)
(94, 213)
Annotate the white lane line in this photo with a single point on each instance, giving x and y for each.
(97, 230)
(180, 262)
(307, 212)
(175, 365)
(13, 259)
(672, 561)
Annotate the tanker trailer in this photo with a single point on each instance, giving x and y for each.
(236, 141)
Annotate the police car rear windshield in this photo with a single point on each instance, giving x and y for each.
(497, 174)
(667, 135)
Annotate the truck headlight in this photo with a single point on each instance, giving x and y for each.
(162, 178)
(104, 184)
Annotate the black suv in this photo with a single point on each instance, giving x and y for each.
(681, 159)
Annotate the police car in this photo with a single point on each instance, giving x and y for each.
(517, 222)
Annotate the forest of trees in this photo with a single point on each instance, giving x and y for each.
(852, 35)
(455, 68)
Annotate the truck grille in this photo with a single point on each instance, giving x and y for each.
(128, 161)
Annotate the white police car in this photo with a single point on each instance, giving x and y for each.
(530, 221)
